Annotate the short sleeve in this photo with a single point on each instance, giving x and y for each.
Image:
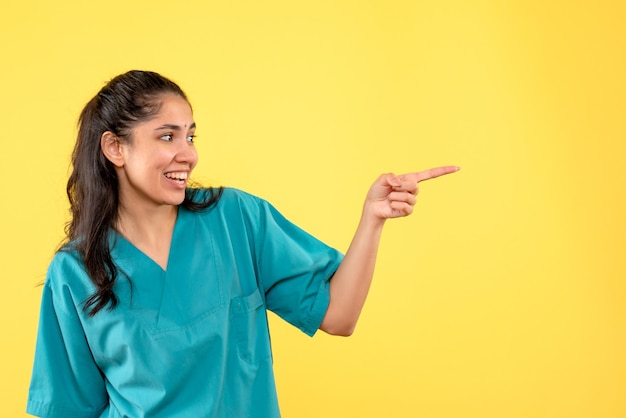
(65, 381)
(295, 270)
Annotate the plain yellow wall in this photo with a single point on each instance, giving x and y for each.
(503, 296)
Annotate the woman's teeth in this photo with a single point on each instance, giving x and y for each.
(180, 177)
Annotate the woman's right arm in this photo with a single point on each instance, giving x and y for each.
(65, 380)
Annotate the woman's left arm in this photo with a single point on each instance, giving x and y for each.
(390, 196)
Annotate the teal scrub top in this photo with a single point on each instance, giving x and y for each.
(191, 341)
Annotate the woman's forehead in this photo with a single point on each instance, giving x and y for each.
(173, 110)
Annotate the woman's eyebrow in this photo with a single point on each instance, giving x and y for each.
(173, 127)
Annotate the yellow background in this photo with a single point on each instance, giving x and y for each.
(502, 296)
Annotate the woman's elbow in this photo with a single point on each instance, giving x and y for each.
(338, 328)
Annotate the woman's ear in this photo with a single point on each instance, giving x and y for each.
(112, 148)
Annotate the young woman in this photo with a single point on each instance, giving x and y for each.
(156, 305)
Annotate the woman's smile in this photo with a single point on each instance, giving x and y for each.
(179, 178)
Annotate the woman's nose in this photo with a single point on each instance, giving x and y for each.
(186, 153)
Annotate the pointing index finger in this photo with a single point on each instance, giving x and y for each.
(430, 174)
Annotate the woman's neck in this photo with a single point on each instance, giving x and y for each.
(150, 230)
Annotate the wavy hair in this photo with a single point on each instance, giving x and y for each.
(93, 188)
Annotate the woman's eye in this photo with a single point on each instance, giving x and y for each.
(190, 138)
(167, 137)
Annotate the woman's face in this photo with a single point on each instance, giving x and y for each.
(159, 157)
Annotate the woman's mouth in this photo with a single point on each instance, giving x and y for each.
(178, 177)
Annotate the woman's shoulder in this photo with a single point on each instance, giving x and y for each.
(235, 205)
(235, 194)
(68, 254)
(66, 273)
(225, 196)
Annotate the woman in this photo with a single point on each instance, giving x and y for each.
(156, 305)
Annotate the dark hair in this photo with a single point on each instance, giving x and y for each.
(92, 188)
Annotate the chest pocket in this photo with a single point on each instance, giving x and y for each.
(248, 319)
